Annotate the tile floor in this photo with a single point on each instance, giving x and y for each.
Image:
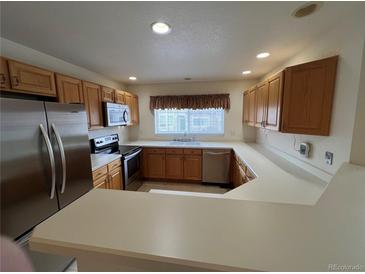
(148, 185)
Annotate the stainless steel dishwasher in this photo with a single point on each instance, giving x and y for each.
(216, 165)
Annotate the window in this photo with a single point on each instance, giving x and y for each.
(189, 121)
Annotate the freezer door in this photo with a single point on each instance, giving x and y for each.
(67, 126)
(25, 166)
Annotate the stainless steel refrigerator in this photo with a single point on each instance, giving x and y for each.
(44, 164)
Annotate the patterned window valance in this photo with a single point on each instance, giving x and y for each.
(190, 101)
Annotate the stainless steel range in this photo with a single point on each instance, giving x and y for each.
(131, 162)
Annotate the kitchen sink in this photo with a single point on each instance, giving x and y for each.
(185, 143)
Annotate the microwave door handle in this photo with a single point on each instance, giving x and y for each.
(128, 157)
(63, 157)
(51, 160)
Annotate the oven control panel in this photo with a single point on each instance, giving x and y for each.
(106, 140)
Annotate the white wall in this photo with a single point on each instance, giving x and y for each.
(30, 56)
(358, 147)
(232, 118)
(346, 40)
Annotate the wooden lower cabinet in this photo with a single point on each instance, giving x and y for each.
(115, 179)
(109, 176)
(176, 163)
(174, 166)
(192, 167)
(101, 182)
(155, 165)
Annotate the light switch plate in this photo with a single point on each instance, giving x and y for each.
(329, 158)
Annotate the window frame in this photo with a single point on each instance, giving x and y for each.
(188, 134)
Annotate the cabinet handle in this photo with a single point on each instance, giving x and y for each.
(16, 80)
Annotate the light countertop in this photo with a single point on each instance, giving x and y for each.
(215, 233)
(277, 179)
(99, 160)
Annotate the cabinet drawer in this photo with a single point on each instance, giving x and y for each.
(101, 182)
(174, 151)
(155, 150)
(114, 164)
(100, 172)
(192, 151)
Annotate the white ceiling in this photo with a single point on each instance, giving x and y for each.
(208, 41)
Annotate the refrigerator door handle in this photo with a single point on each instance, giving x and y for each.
(63, 157)
(51, 160)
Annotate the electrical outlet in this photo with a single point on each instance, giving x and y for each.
(328, 157)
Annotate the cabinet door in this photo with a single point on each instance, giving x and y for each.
(30, 79)
(135, 110)
(69, 89)
(246, 107)
(175, 166)
(251, 107)
(4, 74)
(115, 179)
(92, 98)
(128, 101)
(260, 104)
(107, 94)
(192, 167)
(101, 182)
(274, 98)
(308, 96)
(155, 165)
(119, 97)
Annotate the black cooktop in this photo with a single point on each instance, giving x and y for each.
(126, 150)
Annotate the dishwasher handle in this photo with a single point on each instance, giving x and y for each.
(216, 153)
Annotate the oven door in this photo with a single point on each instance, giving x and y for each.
(115, 116)
(131, 170)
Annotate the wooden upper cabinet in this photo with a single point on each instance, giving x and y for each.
(69, 89)
(119, 97)
(107, 94)
(4, 74)
(92, 98)
(174, 166)
(192, 167)
(246, 106)
(308, 96)
(251, 107)
(273, 102)
(132, 101)
(260, 104)
(30, 79)
(135, 110)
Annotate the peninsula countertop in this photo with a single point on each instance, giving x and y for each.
(215, 233)
(277, 180)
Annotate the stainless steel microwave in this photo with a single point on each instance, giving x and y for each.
(116, 114)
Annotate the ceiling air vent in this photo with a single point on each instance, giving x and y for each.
(306, 9)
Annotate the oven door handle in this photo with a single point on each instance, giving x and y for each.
(128, 157)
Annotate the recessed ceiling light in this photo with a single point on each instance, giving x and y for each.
(246, 72)
(133, 78)
(263, 55)
(187, 78)
(160, 28)
(306, 9)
